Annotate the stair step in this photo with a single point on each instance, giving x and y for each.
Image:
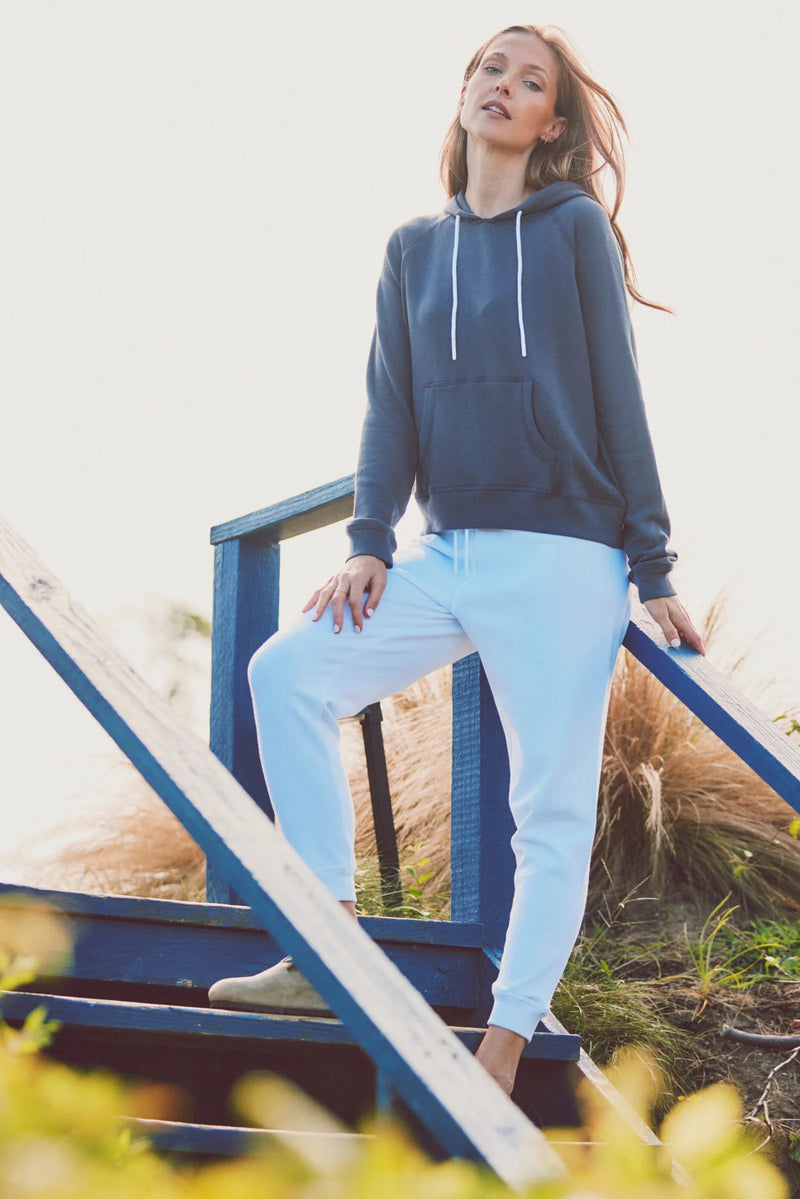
(166, 946)
(221, 1140)
(203, 1053)
(216, 1023)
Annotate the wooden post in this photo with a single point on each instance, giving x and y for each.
(246, 596)
(380, 795)
(481, 858)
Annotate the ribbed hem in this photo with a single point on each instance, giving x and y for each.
(518, 1015)
(532, 511)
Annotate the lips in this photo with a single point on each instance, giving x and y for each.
(495, 104)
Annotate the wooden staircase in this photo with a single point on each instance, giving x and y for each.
(135, 1001)
(410, 997)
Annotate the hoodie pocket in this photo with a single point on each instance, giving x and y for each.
(483, 433)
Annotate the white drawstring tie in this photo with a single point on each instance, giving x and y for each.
(519, 287)
(520, 316)
(455, 290)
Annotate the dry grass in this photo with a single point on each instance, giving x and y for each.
(122, 840)
(678, 808)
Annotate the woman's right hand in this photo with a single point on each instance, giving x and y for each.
(362, 575)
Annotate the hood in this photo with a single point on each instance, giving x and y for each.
(547, 197)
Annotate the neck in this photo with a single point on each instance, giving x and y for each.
(495, 180)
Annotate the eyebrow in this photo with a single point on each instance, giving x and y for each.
(531, 66)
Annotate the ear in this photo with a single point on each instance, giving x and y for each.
(461, 97)
(557, 128)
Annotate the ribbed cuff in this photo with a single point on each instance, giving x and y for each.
(518, 1015)
(655, 588)
(373, 541)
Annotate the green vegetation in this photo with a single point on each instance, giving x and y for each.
(766, 951)
(420, 901)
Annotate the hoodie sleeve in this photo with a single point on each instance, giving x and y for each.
(387, 459)
(621, 418)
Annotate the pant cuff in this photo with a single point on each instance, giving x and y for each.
(518, 1015)
(339, 882)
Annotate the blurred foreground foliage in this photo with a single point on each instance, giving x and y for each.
(68, 1135)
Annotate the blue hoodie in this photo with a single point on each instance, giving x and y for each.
(503, 385)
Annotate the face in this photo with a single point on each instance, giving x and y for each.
(517, 72)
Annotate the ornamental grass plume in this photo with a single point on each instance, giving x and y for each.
(681, 810)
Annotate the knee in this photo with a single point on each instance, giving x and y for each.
(284, 670)
(267, 670)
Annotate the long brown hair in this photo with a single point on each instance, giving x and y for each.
(590, 142)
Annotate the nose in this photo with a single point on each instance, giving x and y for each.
(504, 87)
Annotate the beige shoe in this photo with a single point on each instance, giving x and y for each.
(281, 988)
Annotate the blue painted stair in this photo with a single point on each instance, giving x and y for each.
(135, 1001)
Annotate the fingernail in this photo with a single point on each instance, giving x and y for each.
(358, 628)
(675, 642)
(370, 611)
(336, 628)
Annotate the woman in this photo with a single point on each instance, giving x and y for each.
(502, 380)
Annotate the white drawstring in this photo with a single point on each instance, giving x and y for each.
(519, 287)
(455, 291)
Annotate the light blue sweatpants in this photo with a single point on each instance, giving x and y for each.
(547, 614)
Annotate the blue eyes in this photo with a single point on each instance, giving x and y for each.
(531, 82)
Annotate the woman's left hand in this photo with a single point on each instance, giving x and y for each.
(670, 614)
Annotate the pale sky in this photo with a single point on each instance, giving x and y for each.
(194, 207)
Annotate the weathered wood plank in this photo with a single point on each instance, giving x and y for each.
(706, 692)
(156, 943)
(213, 915)
(616, 1100)
(173, 1020)
(218, 1140)
(447, 1088)
(481, 858)
(246, 601)
(162, 955)
(310, 510)
(207, 1023)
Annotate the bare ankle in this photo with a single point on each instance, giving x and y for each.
(499, 1053)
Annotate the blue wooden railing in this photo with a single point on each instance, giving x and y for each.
(246, 592)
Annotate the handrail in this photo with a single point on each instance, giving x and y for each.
(742, 726)
(301, 514)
